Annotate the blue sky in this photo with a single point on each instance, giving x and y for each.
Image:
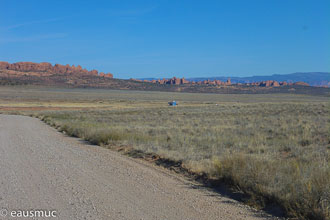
(170, 37)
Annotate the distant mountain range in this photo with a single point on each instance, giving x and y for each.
(312, 78)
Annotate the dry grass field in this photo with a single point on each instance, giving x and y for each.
(273, 147)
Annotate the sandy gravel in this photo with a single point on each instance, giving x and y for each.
(42, 169)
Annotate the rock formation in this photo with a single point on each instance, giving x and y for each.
(268, 83)
(301, 84)
(178, 81)
(272, 83)
(107, 75)
(46, 69)
(181, 81)
(172, 81)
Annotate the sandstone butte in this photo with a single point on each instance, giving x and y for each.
(47, 69)
(181, 81)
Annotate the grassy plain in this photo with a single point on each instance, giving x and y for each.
(274, 147)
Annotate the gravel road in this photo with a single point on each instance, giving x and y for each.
(42, 169)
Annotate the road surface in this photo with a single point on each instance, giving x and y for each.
(43, 171)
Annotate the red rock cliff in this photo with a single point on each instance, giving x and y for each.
(50, 69)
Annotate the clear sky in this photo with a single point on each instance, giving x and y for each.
(164, 38)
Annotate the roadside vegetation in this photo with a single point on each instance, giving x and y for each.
(277, 150)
